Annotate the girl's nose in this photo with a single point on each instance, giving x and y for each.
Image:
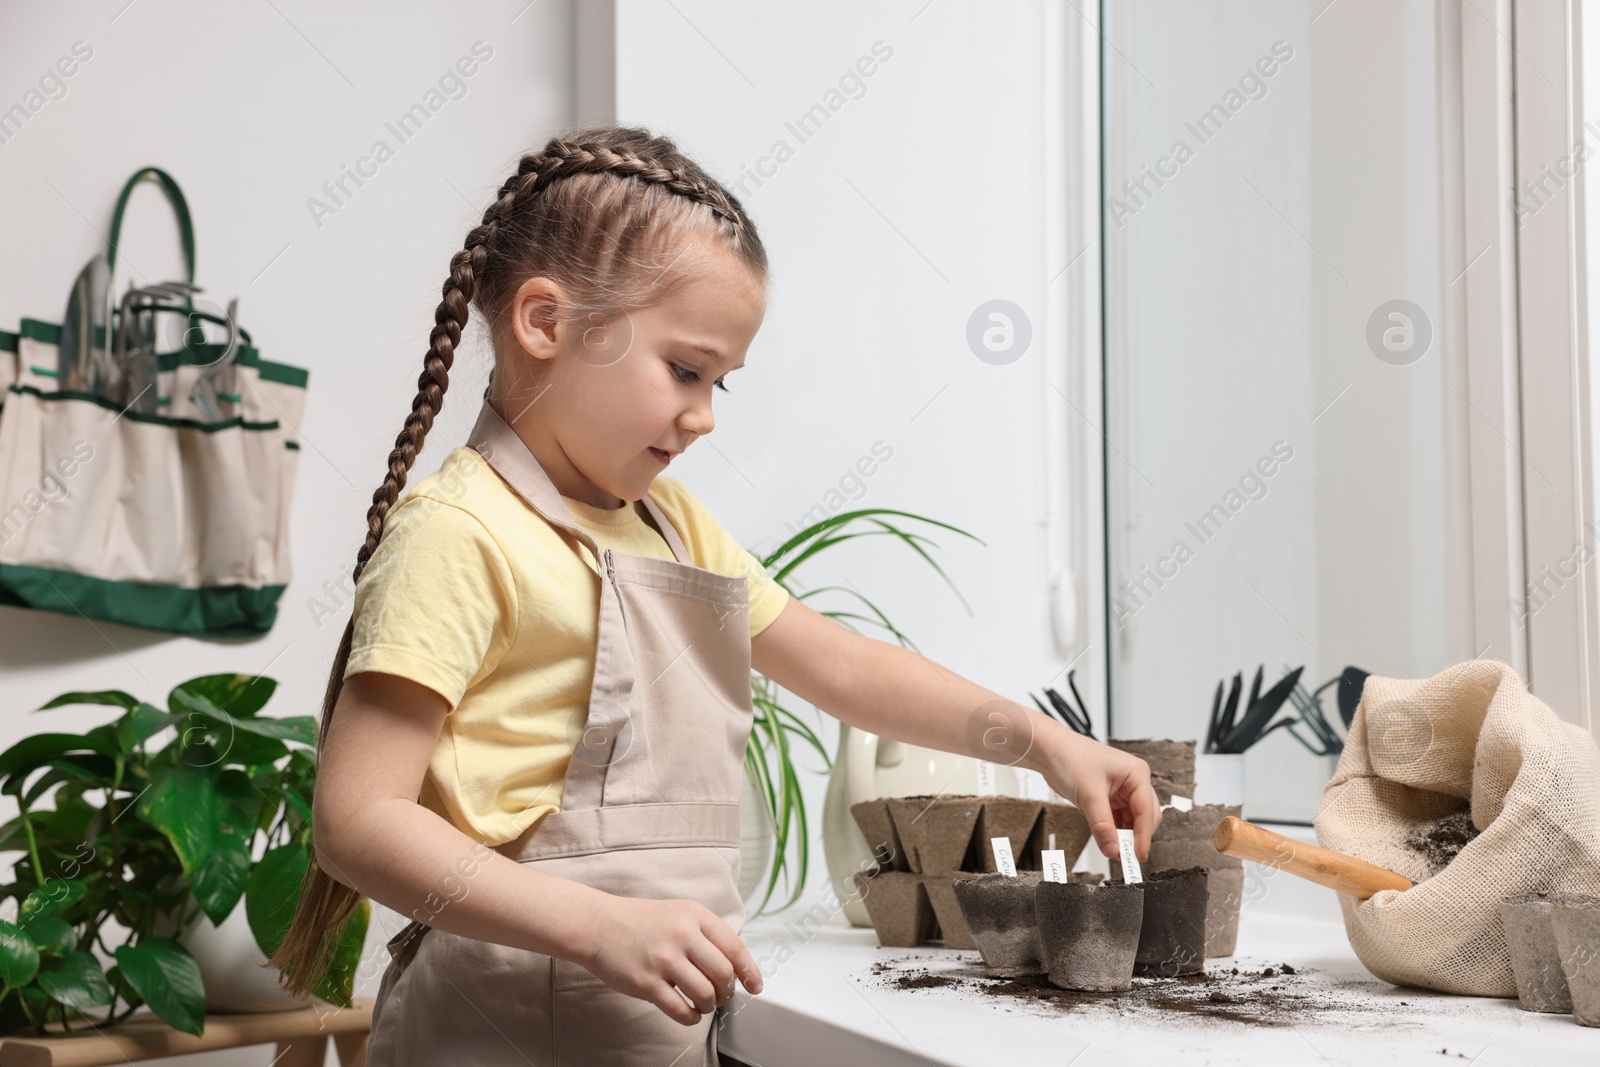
(697, 418)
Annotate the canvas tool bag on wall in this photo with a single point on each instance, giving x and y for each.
(1418, 750)
(166, 506)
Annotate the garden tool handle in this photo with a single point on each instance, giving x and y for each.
(1357, 878)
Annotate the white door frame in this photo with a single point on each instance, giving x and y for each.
(1556, 403)
(1074, 389)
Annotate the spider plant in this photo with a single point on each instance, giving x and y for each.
(778, 731)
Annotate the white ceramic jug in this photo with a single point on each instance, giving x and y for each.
(867, 766)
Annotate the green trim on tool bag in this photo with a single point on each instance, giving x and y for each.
(8, 341)
(142, 416)
(211, 611)
(202, 354)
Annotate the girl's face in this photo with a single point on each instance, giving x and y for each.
(617, 399)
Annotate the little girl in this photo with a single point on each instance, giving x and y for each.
(533, 737)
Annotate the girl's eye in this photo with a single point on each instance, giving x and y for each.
(684, 374)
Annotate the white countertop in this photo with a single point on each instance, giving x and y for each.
(831, 997)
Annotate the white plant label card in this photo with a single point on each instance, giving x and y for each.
(1182, 803)
(1055, 865)
(1002, 856)
(1130, 858)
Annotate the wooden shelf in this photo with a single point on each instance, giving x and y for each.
(301, 1036)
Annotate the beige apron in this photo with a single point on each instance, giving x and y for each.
(650, 808)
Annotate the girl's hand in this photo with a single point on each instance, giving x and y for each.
(1111, 787)
(644, 947)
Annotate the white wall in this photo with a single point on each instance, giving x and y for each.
(920, 197)
(251, 108)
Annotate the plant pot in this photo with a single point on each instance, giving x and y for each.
(231, 966)
(947, 910)
(1184, 839)
(1068, 823)
(1577, 927)
(1089, 934)
(1219, 778)
(1224, 894)
(1171, 764)
(935, 830)
(1172, 934)
(999, 912)
(1535, 962)
(1010, 817)
(899, 908)
(877, 827)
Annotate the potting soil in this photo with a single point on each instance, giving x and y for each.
(1442, 840)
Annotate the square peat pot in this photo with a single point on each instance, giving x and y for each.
(1067, 822)
(1089, 933)
(934, 831)
(877, 826)
(1535, 960)
(1171, 763)
(1013, 818)
(1172, 935)
(898, 906)
(1576, 919)
(947, 910)
(999, 912)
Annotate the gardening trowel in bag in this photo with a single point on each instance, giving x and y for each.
(83, 364)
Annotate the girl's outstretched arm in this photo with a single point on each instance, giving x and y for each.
(895, 693)
(371, 834)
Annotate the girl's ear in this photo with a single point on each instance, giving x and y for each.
(535, 318)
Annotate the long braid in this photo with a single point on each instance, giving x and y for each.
(483, 270)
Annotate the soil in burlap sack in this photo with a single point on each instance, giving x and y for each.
(1423, 756)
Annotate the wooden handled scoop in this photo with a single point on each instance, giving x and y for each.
(1358, 878)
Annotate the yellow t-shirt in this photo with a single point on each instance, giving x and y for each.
(474, 595)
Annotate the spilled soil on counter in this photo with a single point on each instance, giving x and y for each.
(1271, 996)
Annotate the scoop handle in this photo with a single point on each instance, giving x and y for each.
(1346, 874)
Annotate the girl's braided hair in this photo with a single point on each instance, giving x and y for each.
(606, 212)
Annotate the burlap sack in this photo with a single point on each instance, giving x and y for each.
(1418, 748)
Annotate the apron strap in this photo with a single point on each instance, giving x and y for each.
(509, 454)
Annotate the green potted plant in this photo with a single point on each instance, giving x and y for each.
(778, 731)
(114, 827)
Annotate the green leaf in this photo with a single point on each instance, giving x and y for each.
(167, 978)
(92, 769)
(19, 957)
(35, 751)
(104, 696)
(338, 980)
(220, 881)
(301, 728)
(250, 750)
(51, 898)
(141, 723)
(239, 804)
(273, 893)
(51, 934)
(182, 803)
(77, 983)
(237, 694)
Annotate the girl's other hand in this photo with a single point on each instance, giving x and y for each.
(644, 947)
(1110, 786)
